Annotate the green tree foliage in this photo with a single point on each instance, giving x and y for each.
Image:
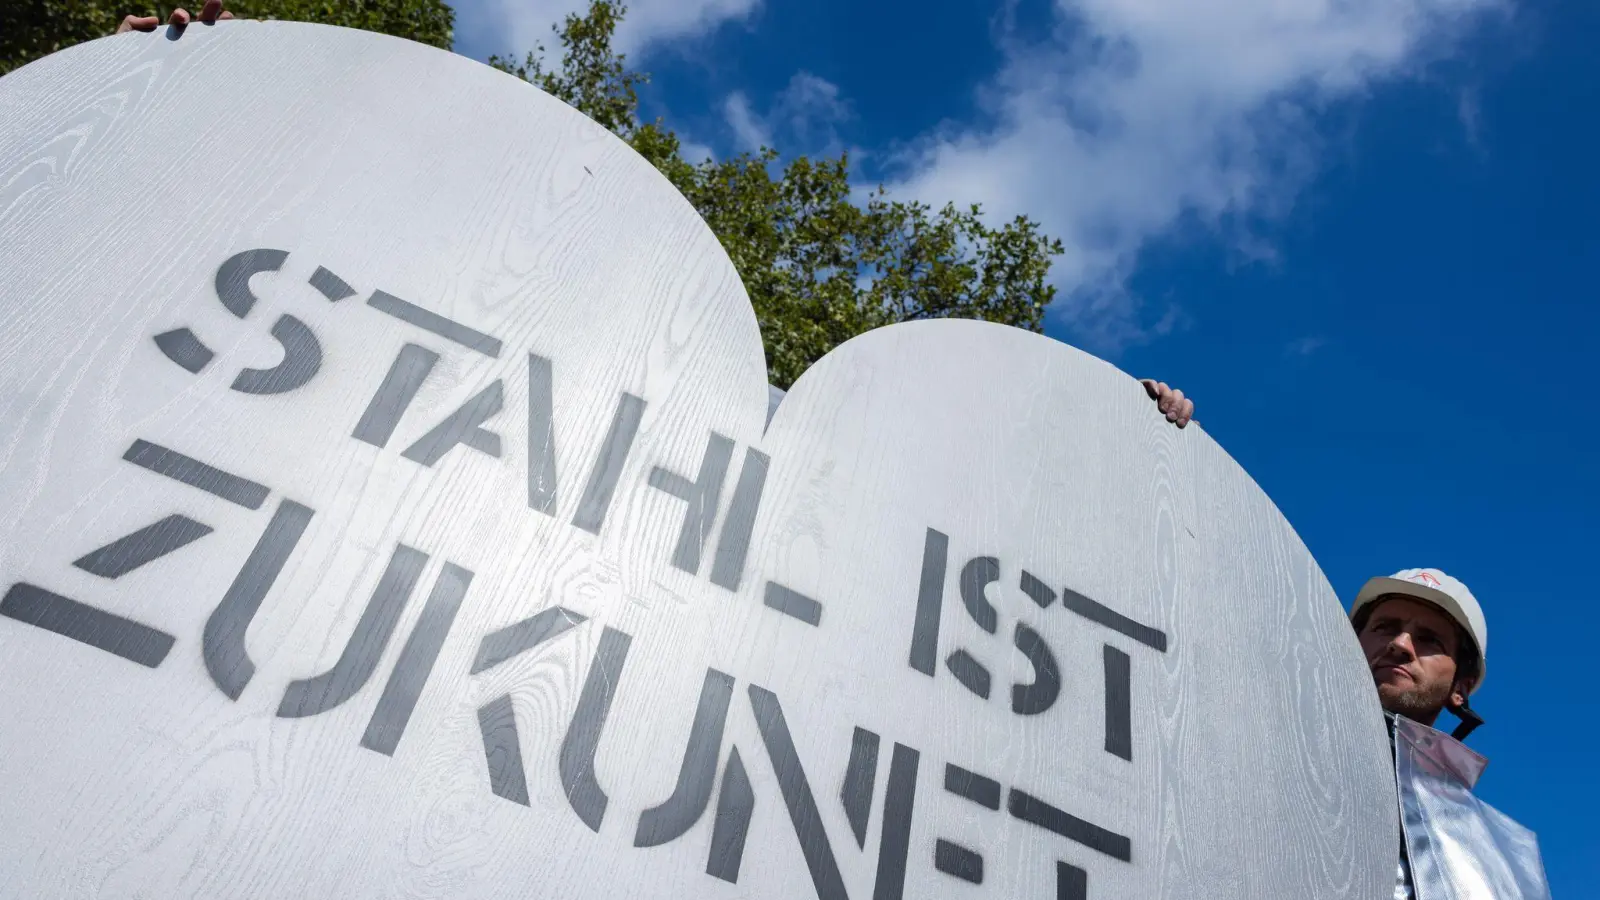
(821, 264)
(30, 29)
(35, 28)
(424, 21)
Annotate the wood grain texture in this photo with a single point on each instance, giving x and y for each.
(133, 168)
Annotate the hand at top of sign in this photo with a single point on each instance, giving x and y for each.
(211, 12)
(1178, 409)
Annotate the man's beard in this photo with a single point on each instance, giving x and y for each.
(1420, 704)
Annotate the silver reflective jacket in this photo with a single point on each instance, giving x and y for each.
(1459, 847)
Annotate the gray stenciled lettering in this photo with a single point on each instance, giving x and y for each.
(791, 602)
(700, 498)
(859, 777)
(1037, 591)
(514, 640)
(733, 543)
(410, 369)
(930, 602)
(1039, 695)
(302, 359)
(464, 426)
(964, 783)
(142, 547)
(971, 673)
(86, 624)
(416, 661)
(233, 277)
(1072, 883)
(1119, 702)
(196, 474)
(501, 745)
(670, 820)
(602, 484)
(541, 435)
(132, 640)
(429, 321)
(1034, 811)
(953, 859)
(302, 352)
(182, 347)
(1101, 614)
(310, 696)
(960, 862)
(797, 796)
(576, 765)
(330, 285)
(502, 749)
(894, 847)
(976, 575)
(226, 657)
(735, 804)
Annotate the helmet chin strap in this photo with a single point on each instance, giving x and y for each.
(1469, 721)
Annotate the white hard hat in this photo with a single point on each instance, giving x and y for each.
(1442, 591)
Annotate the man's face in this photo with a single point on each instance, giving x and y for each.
(1411, 648)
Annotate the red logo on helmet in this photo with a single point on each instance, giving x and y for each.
(1425, 578)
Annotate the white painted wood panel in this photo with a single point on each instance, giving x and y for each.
(451, 554)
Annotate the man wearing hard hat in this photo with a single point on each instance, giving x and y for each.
(1424, 637)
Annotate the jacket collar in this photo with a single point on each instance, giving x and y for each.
(1438, 751)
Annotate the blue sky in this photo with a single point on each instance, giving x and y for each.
(1361, 235)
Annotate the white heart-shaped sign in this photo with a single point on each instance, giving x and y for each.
(391, 511)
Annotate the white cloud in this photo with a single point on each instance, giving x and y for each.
(811, 108)
(750, 131)
(692, 150)
(1303, 347)
(1469, 110)
(804, 116)
(513, 27)
(1136, 115)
